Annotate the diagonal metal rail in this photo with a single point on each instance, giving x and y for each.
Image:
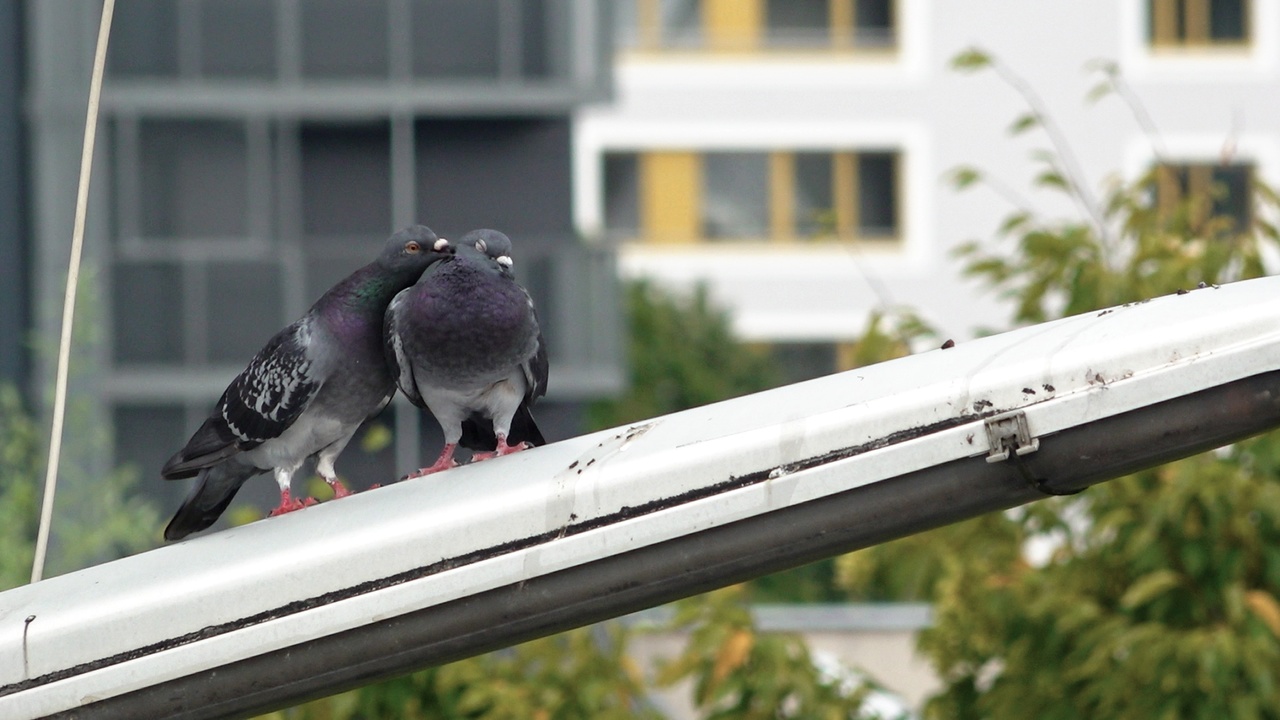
(432, 570)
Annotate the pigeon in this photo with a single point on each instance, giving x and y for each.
(303, 394)
(464, 343)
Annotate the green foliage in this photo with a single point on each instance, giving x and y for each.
(681, 353)
(740, 673)
(1160, 596)
(97, 515)
(1163, 605)
(20, 460)
(580, 674)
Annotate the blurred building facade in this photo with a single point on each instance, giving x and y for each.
(253, 152)
(794, 154)
(791, 154)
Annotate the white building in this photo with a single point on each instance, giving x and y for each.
(794, 154)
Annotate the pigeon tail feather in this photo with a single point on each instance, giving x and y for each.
(212, 494)
(210, 445)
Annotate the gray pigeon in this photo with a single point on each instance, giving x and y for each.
(303, 394)
(464, 343)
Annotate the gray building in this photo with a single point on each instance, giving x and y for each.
(253, 152)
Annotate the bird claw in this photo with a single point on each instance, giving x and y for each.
(502, 449)
(440, 466)
(339, 489)
(288, 505)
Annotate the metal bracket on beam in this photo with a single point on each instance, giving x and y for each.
(1006, 432)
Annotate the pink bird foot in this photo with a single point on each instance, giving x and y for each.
(444, 462)
(502, 449)
(289, 504)
(339, 490)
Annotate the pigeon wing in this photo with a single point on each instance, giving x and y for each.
(400, 364)
(259, 404)
(281, 380)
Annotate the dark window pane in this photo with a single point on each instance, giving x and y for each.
(341, 38)
(798, 361)
(534, 40)
(621, 195)
(875, 23)
(798, 22)
(1231, 195)
(346, 180)
(878, 195)
(145, 436)
(735, 197)
(193, 178)
(238, 38)
(455, 38)
(146, 306)
(243, 309)
(1203, 192)
(1226, 20)
(814, 199)
(144, 39)
(505, 173)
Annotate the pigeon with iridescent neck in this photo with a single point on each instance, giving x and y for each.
(464, 343)
(305, 393)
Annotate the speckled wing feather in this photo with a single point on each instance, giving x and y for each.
(260, 404)
(264, 400)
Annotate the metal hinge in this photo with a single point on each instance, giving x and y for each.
(1008, 431)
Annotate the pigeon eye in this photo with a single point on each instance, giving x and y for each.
(482, 246)
(412, 247)
(504, 260)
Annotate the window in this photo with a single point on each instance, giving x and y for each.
(259, 40)
(194, 175)
(1198, 23)
(345, 39)
(1216, 197)
(751, 25)
(680, 196)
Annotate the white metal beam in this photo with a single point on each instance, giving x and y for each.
(446, 566)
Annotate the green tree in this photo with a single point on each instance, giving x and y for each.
(1160, 599)
(681, 353)
(740, 673)
(98, 514)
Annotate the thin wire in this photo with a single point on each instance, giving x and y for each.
(69, 301)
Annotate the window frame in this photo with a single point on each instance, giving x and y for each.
(736, 27)
(670, 187)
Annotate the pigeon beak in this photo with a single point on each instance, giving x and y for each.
(443, 245)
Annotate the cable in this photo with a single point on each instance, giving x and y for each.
(69, 301)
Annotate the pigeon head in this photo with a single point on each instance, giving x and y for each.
(491, 244)
(413, 249)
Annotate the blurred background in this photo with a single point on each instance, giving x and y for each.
(707, 197)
